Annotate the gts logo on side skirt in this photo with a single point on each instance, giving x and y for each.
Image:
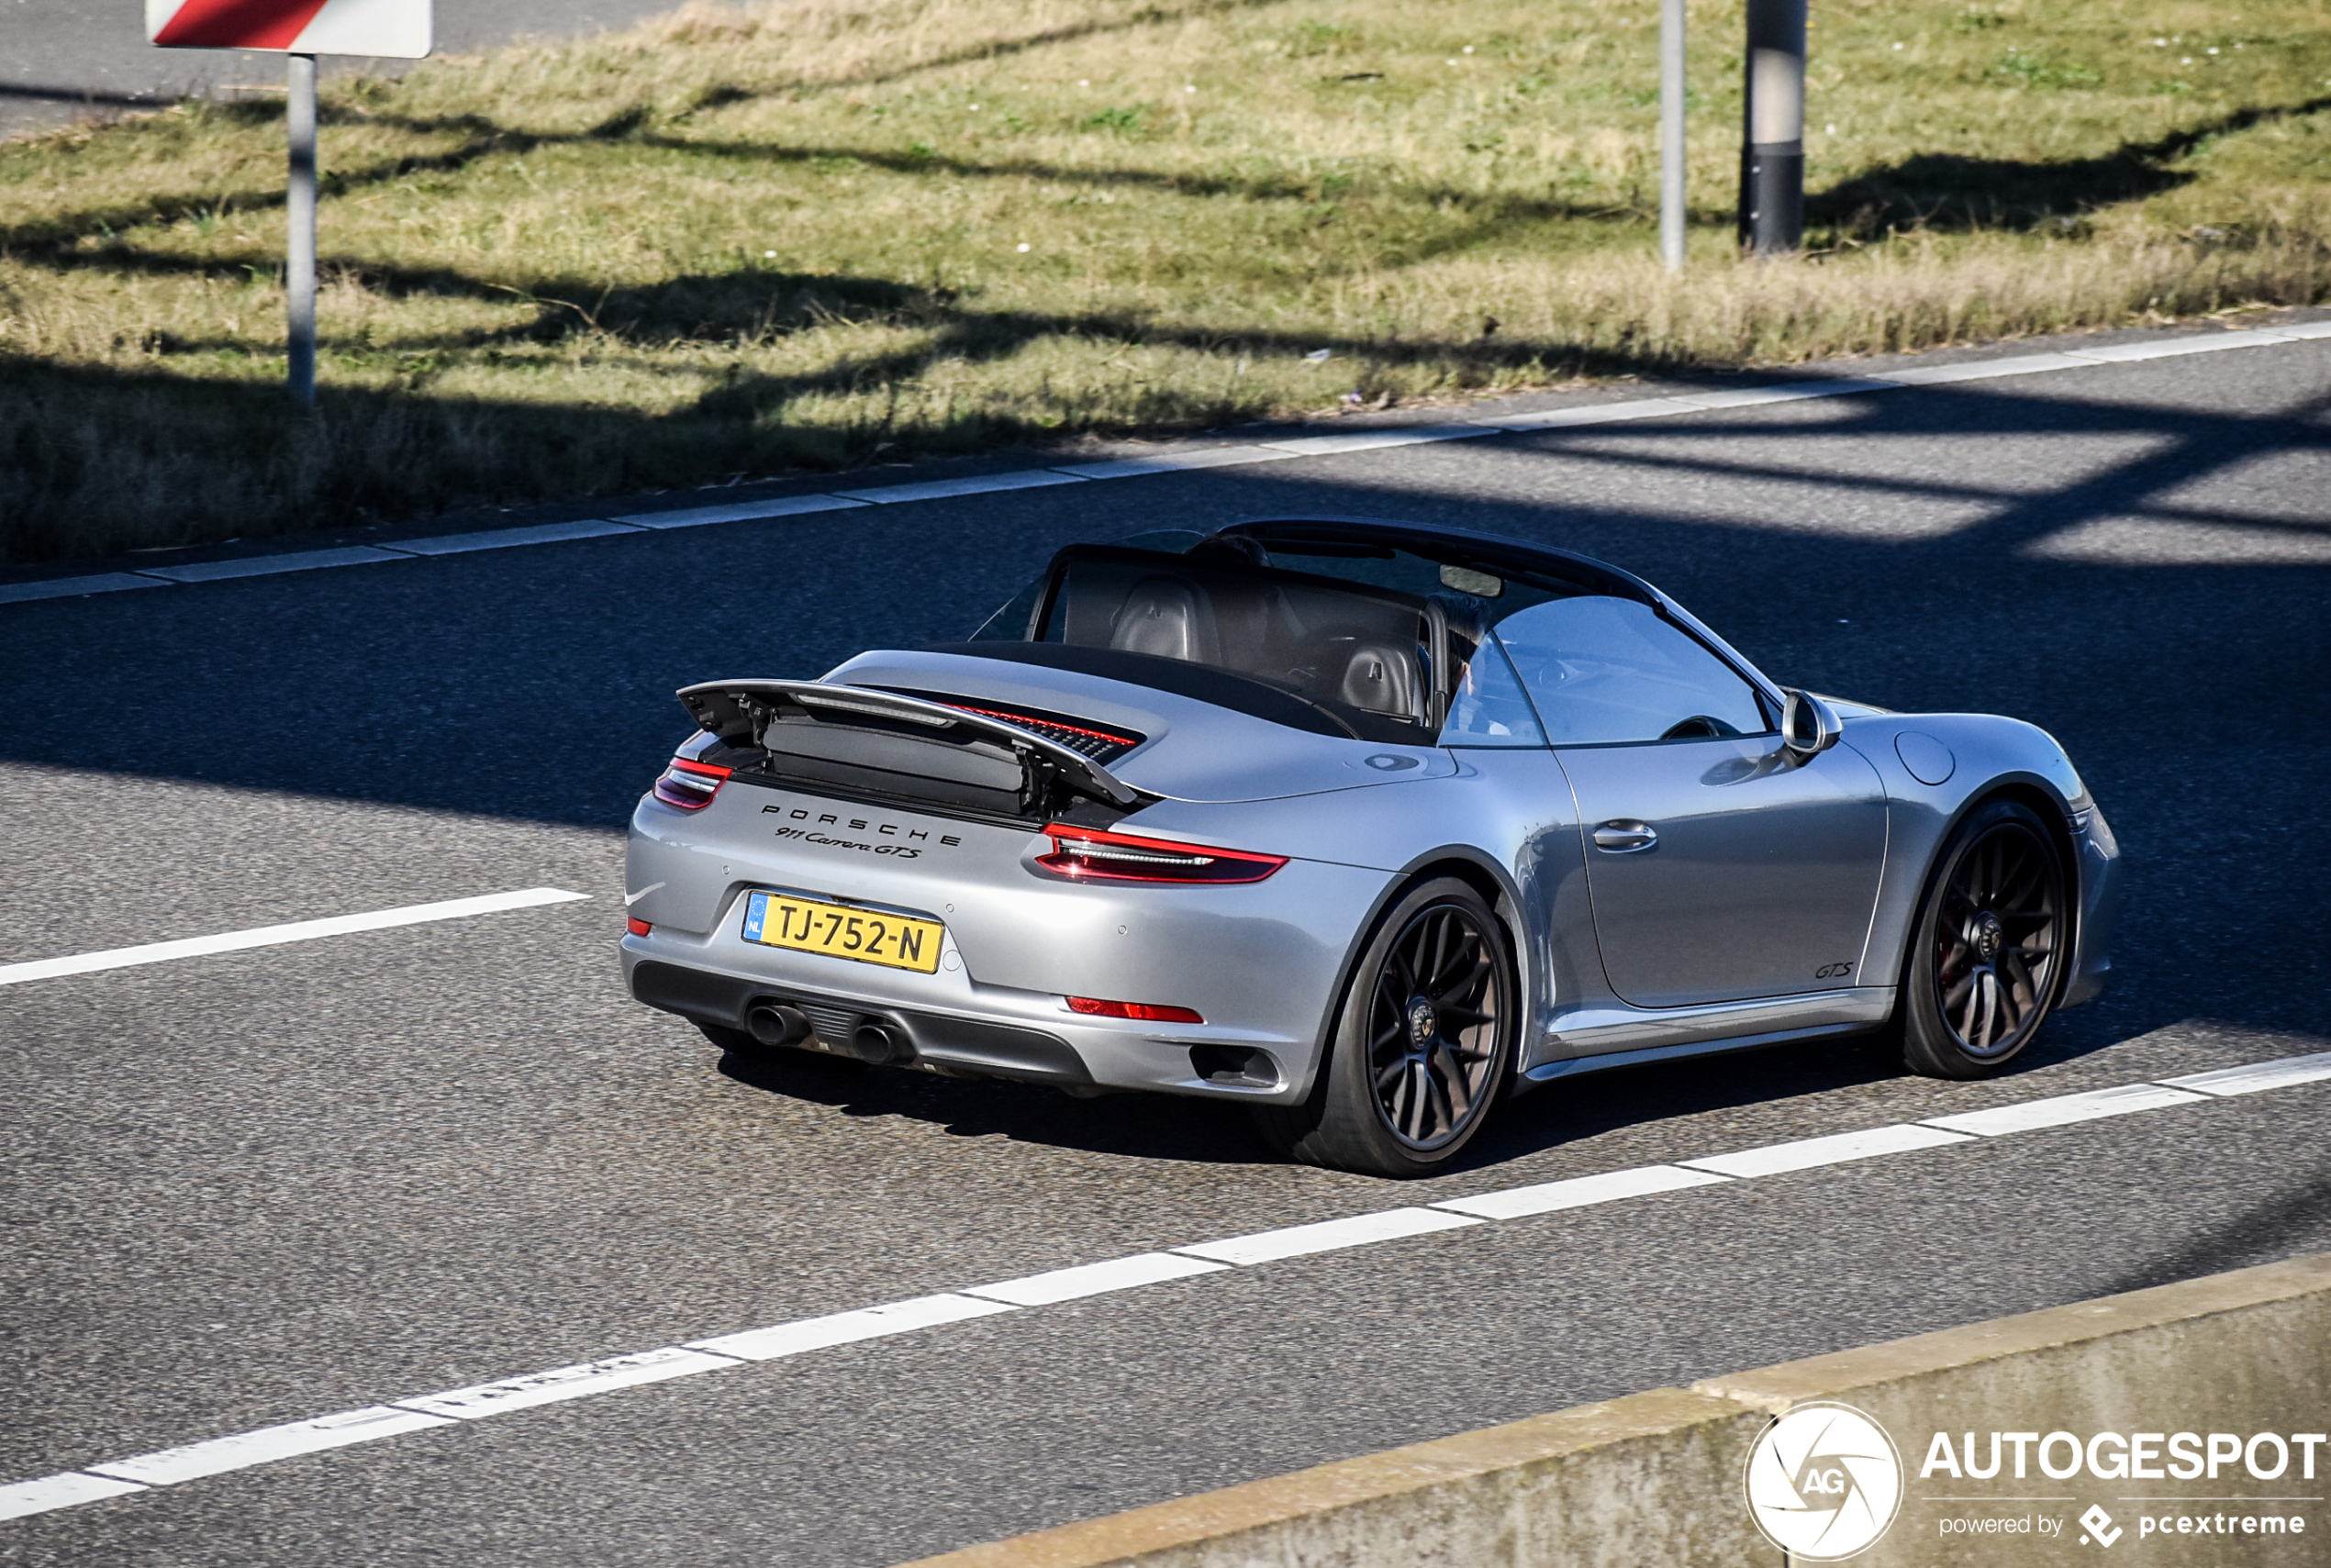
(1833, 972)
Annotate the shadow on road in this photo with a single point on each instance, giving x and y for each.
(537, 683)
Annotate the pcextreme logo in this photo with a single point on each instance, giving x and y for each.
(1823, 1481)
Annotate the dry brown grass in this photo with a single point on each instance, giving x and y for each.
(741, 241)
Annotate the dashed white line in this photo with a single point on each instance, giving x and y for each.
(1581, 1192)
(1368, 439)
(1177, 462)
(566, 1382)
(740, 512)
(973, 484)
(1326, 1235)
(2063, 1110)
(2259, 1075)
(195, 1461)
(847, 1328)
(270, 935)
(51, 1492)
(1594, 413)
(505, 539)
(267, 565)
(1837, 1149)
(217, 1455)
(1094, 1279)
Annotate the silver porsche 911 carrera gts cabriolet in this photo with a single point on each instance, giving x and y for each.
(1363, 823)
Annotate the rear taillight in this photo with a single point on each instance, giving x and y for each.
(638, 927)
(1153, 1012)
(689, 785)
(1094, 856)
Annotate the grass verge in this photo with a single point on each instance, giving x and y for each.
(794, 236)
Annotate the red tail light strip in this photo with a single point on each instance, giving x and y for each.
(690, 785)
(1153, 1012)
(1092, 855)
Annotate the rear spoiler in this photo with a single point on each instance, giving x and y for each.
(743, 712)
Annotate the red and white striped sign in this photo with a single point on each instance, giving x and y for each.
(395, 30)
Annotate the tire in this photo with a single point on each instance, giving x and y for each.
(1987, 953)
(1422, 1045)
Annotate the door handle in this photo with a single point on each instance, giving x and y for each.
(1624, 836)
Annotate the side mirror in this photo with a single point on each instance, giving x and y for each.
(1808, 725)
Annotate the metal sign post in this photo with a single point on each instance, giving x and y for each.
(1772, 153)
(300, 29)
(1671, 128)
(299, 255)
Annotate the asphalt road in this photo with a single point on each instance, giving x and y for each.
(69, 58)
(260, 1186)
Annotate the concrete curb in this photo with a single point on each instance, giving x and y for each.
(1654, 1478)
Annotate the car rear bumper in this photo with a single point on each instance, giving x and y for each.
(1261, 963)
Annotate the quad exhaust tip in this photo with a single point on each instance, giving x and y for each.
(883, 1044)
(774, 1023)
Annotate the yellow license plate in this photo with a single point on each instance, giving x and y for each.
(842, 930)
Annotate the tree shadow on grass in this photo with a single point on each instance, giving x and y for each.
(1950, 190)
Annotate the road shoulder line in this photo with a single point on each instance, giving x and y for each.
(1326, 444)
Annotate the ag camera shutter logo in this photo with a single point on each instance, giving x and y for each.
(1823, 1481)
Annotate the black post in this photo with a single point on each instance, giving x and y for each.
(299, 252)
(1772, 151)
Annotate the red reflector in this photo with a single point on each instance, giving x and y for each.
(1092, 855)
(638, 928)
(689, 785)
(1150, 1011)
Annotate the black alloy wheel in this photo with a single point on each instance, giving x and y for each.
(1433, 1027)
(1989, 946)
(1422, 1044)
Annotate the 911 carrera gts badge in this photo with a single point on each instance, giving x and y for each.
(1833, 972)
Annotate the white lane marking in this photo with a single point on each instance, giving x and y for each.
(195, 1461)
(740, 512)
(1596, 414)
(1174, 462)
(2215, 342)
(72, 1487)
(845, 1328)
(269, 936)
(1379, 436)
(267, 565)
(1579, 1192)
(59, 1492)
(504, 538)
(1787, 391)
(1806, 1153)
(1177, 463)
(566, 1382)
(1094, 1279)
(72, 587)
(945, 489)
(1985, 370)
(1326, 1235)
(2063, 1110)
(2258, 1075)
